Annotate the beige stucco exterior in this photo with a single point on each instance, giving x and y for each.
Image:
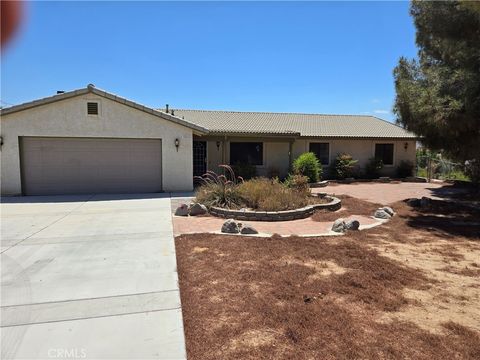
(68, 118)
(276, 151)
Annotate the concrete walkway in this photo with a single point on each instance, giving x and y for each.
(90, 277)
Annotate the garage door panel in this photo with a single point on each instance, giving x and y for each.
(89, 165)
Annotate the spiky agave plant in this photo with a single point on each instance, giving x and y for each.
(218, 190)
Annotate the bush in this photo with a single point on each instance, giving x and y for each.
(270, 195)
(298, 183)
(343, 166)
(245, 171)
(373, 168)
(217, 190)
(472, 170)
(405, 169)
(308, 165)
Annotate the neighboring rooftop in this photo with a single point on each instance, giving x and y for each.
(307, 125)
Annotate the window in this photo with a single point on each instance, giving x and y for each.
(322, 151)
(246, 153)
(384, 152)
(92, 108)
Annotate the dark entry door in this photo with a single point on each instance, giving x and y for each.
(199, 158)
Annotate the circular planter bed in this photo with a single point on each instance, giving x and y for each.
(252, 215)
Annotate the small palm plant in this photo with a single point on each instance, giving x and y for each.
(218, 190)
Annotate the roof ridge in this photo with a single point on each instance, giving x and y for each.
(269, 112)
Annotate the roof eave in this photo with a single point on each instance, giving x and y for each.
(91, 89)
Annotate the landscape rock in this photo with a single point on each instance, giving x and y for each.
(182, 210)
(381, 214)
(339, 225)
(197, 209)
(230, 227)
(323, 183)
(352, 225)
(414, 202)
(384, 179)
(248, 229)
(388, 210)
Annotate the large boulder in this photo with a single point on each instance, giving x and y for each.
(339, 225)
(248, 230)
(197, 209)
(381, 214)
(182, 210)
(230, 227)
(352, 225)
(388, 210)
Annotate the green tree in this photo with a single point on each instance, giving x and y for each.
(438, 94)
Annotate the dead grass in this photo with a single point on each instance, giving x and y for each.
(396, 291)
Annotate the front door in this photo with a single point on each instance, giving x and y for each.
(199, 158)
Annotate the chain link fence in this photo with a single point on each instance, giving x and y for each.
(436, 168)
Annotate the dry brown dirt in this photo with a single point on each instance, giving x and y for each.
(408, 289)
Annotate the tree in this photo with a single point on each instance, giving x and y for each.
(438, 94)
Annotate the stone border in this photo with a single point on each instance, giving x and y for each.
(296, 214)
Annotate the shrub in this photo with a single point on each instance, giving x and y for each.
(343, 166)
(373, 168)
(271, 195)
(217, 190)
(405, 169)
(246, 171)
(308, 165)
(472, 170)
(298, 183)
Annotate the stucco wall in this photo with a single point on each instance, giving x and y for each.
(276, 152)
(362, 150)
(68, 118)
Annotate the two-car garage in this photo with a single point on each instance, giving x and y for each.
(58, 145)
(90, 165)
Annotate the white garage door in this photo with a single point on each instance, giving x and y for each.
(89, 165)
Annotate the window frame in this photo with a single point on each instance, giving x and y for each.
(393, 152)
(329, 151)
(247, 142)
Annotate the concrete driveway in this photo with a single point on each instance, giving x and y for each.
(89, 277)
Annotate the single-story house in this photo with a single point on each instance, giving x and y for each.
(92, 141)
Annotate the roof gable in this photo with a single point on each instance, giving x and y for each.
(90, 89)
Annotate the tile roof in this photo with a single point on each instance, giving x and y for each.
(305, 125)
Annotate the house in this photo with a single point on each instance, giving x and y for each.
(92, 141)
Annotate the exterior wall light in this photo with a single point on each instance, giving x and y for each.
(405, 146)
(177, 143)
(218, 145)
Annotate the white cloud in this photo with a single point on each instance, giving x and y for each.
(381, 111)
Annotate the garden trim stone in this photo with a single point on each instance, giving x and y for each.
(286, 215)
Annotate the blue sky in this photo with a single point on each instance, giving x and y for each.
(312, 57)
